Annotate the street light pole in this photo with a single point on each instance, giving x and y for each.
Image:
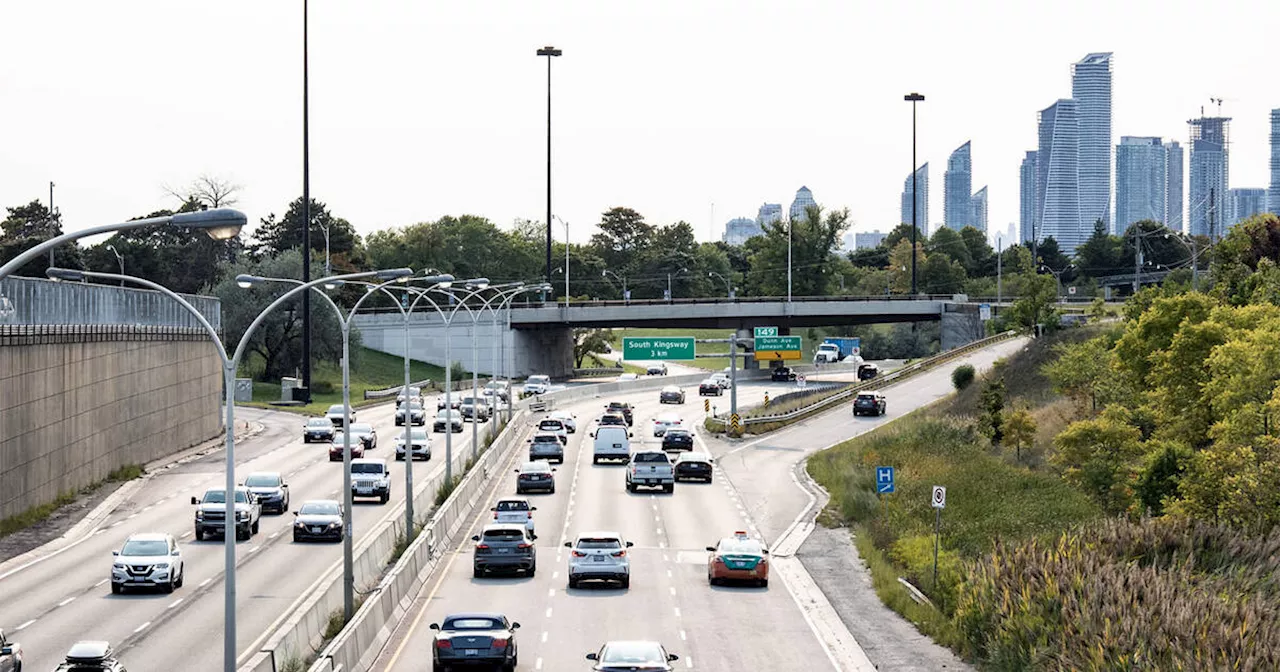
(306, 212)
(913, 98)
(789, 225)
(550, 52)
(728, 288)
(119, 258)
(670, 294)
(623, 278)
(566, 257)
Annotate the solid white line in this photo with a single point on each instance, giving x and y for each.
(24, 625)
(66, 602)
(205, 582)
(175, 603)
(100, 583)
(142, 627)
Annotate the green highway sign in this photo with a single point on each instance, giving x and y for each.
(762, 332)
(679, 347)
(778, 343)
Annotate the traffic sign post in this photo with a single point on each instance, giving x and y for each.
(984, 311)
(939, 502)
(681, 348)
(735, 425)
(706, 405)
(884, 480)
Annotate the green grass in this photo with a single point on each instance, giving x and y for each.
(371, 370)
(34, 515)
(927, 618)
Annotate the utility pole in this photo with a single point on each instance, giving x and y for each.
(1211, 208)
(914, 98)
(999, 276)
(1137, 258)
(51, 221)
(306, 214)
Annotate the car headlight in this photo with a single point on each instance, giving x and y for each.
(118, 566)
(299, 524)
(199, 515)
(242, 515)
(335, 524)
(161, 565)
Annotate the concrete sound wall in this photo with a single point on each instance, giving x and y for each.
(77, 402)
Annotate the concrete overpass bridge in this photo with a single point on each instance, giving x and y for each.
(540, 339)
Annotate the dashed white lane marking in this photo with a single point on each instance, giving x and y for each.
(662, 544)
(148, 508)
(544, 636)
(205, 582)
(677, 610)
(132, 516)
(665, 558)
(275, 535)
(186, 534)
(142, 627)
(537, 664)
(548, 612)
(118, 522)
(24, 625)
(66, 602)
(175, 603)
(551, 592)
(683, 637)
(555, 575)
(668, 573)
(659, 531)
(688, 662)
(252, 549)
(100, 531)
(100, 583)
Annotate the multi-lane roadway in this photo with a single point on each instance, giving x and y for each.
(62, 598)
(669, 599)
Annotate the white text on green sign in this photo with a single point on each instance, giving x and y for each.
(762, 332)
(657, 348)
(778, 343)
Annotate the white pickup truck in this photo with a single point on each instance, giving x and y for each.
(651, 469)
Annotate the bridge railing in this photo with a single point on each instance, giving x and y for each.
(38, 301)
(741, 299)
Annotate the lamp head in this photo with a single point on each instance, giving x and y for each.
(477, 283)
(400, 274)
(334, 284)
(245, 281)
(218, 223)
(68, 274)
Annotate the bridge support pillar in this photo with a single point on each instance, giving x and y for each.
(961, 325)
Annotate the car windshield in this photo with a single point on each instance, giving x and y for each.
(671, 390)
(598, 543)
(504, 535)
(741, 546)
(335, 409)
(676, 431)
(339, 439)
(633, 652)
(534, 467)
(473, 623)
(319, 509)
(545, 438)
(550, 424)
(319, 422)
(413, 406)
(220, 497)
(709, 381)
(445, 415)
(417, 435)
(362, 429)
(513, 505)
(145, 547)
(263, 480)
(367, 468)
(538, 380)
(469, 400)
(693, 457)
(866, 397)
(650, 458)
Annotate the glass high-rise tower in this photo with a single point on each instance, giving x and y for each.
(1027, 198)
(922, 200)
(1091, 89)
(1273, 194)
(957, 210)
(1209, 177)
(804, 199)
(1173, 203)
(979, 204)
(1141, 181)
(1057, 177)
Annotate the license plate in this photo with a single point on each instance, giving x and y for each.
(599, 558)
(617, 445)
(471, 652)
(317, 530)
(504, 550)
(365, 491)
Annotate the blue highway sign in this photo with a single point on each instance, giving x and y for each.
(884, 480)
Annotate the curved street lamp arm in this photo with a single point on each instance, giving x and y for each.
(22, 259)
(257, 322)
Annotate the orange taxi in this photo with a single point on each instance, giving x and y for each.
(738, 558)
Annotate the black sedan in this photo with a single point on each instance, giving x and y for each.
(868, 371)
(475, 639)
(536, 475)
(318, 519)
(783, 374)
(677, 438)
(671, 395)
(694, 466)
(709, 387)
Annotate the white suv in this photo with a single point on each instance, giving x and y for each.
(514, 511)
(148, 560)
(600, 556)
(664, 422)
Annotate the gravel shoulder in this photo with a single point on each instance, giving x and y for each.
(889, 640)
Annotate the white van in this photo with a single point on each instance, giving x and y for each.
(612, 442)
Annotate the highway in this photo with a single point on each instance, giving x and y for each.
(711, 628)
(67, 597)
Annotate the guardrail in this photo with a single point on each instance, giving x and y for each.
(387, 594)
(40, 301)
(743, 299)
(378, 394)
(893, 377)
(598, 371)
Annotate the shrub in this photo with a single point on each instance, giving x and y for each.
(322, 387)
(962, 376)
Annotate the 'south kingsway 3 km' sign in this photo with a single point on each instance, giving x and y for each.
(639, 349)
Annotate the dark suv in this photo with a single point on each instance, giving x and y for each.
(504, 546)
(783, 374)
(621, 407)
(869, 403)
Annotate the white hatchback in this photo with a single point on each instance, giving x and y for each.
(666, 421)
(515, 511)
(599, 556)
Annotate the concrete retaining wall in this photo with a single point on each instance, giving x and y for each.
(77, 402)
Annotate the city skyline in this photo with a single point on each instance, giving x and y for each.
(387, 154)
(957, 186)
(1142, 181)
(921, 204)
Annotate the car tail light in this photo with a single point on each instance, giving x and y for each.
(444, 644)
(579, 554)
(529, 515)
(482, 547)
(524, 545)
(495, 515)
(500, 643)
(618, 554)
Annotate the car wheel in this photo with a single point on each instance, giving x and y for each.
(626, 582)
(116, 588)
(553, 489)
(533, 570)
(199, 534)
(477, 573)
(296, 539)
(712, 580)
(631, 487)
(168, 587)
(256, 525)
(509, 666)
(573, 582)
(182, 576)
(386, 497)
(595, 460)
(437, 667)
(764, 583)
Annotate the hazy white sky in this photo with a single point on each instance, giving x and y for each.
(422, 109)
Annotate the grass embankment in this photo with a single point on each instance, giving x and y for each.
(38, 514)
(371, 370)
(1030, 574)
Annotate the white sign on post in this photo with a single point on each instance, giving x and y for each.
(939, 499)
